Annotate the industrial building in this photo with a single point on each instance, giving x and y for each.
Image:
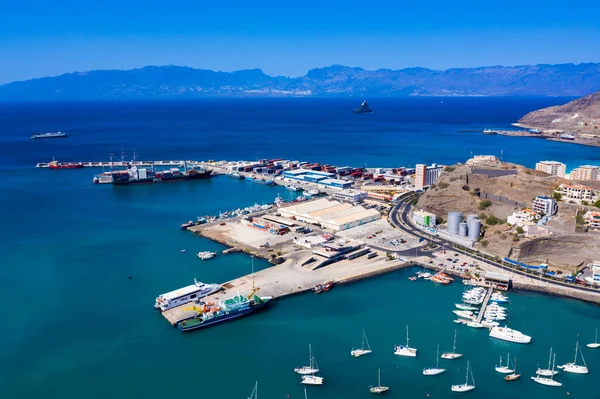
(307, 175)
(350, 195)
(335, 183)
(553, 168)
(425, 175)
(544, 204)
(424, 218)
(332, 215)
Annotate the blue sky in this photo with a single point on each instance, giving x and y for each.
(42, 38)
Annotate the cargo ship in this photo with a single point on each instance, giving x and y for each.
(135, 175)
(229, 309)
(50, 135)
(65, 165)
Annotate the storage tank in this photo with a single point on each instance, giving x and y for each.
(474, 226)
(463, 229)
(472, 216)
(454, 219)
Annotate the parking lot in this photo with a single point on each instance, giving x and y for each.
(379, 233)
(453, 260)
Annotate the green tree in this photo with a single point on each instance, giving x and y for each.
(449, 169)
(597, 204)
(492, 220)
(484, 243)
(443, 184)
(482, 216)
(579, 219)
(484, 204)
(583, 202)
(414, 202)
(520, 230)
(557, 196)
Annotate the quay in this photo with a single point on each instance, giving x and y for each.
(111, 164)
(484, 305)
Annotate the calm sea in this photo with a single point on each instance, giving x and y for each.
(75, 326)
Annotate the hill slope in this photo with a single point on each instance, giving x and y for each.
(183, 82)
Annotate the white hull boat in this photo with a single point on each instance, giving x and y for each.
(312, 380)
(504, 369)
(549, 372)
(546, 381)
(405, 351)
(474, 324)
(466, 387)
(363, 350)
(379, 389)
(435, 370)
(510, 335)
(452, 355)
(574, 367)
(595, 344)
(313, 368)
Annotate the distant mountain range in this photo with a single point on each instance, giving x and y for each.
(153, 82)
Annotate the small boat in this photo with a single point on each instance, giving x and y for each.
(313, 368)
(574, 367)
(595, 344)
(312, 380)
(412, 278)
(548, 381)
(452, 355)
(549, 371)
(514, 376)
(317, 289)
(504, 369)
(462, 306)
(362, 351)
(435, 370)
(185, 225)
(379, 389)
(183, 250)
(466, 387)
(474, 324)
(205, 255)
(406, 351)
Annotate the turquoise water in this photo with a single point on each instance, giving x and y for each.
(75, 325)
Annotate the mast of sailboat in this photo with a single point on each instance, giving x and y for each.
(365, 340)
(549, 359)
(454, 345)
(378, 378)
(437, 357)
(407, 336)
(467, 376)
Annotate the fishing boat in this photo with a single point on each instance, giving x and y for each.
(313, 368)
(406, 351)
(435, 370)
(205, 255)
(549, 371)
(317, 289)
(185, 295)
(548, 381)
(595, 344)
(363, 350)
(506, 368)
(379, 389)
(514, 376)
(466, 387)
(510, 335)
(452, 355)
(574, 367)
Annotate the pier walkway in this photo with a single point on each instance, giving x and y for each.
(484, 305)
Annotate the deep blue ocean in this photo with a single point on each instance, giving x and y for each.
(74, 325)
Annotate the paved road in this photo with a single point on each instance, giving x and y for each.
(399, 217)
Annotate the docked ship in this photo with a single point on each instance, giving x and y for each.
(229, 309)
(65, 165)
(135, 175)
(103, 178)
(184, 295)
(510, 335)
(261, 181)
(50, 135)
(567, 136)
(236, 175)
(363, 109)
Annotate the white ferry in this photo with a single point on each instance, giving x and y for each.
(510, 335)
(184, 295)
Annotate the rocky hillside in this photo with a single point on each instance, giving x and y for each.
(183, 82)
(579, 115)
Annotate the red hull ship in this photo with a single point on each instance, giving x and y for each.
(65, 165)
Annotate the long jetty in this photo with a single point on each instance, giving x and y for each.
(484, 305)
(111, 164)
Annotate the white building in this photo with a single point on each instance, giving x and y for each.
(545, 204)
(577, 191)
(553, 168)
(595, 278)
(350, 195)
(521, 217)
(424, 218)
(592, 219)
(425, 175)
(482, 159)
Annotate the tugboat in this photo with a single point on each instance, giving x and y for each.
(363, 109)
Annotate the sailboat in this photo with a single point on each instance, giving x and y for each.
(379, 389)
(506, 368)
(514, 375)
(548, 381)
(254, 394)
(313, 368)
(549, 371)
(574, 367)
(452, 355)
(362, 351)
(435, 370)
(595, 344)
(465, 387)
(407, 351)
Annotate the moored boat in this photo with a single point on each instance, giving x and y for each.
(574, 367)
(407, 351)
(185, 295)
(466, 387)
(50, 135)
(452, 355)
(510, 335)
(379, 389)
(435, 370)
(205, 255)
(317, 289)
(362, 350)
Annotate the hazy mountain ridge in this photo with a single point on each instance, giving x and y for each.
(184, 82)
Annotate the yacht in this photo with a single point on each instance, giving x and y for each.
(510, 335)
(452, 355)
(379, 389)
(362, 351)
(313, 368)
(435, 370)
(474, 324)
(467, 314)
(184, 295)
(549, 371)
(574, 367)
(205, 255)
(407, 351)
(312, 380)
(506, 368)
(462, 306)
(595, 344)
(466, 387)
(547, 381)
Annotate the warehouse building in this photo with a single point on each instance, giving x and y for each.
(350, 195)
(331, 215)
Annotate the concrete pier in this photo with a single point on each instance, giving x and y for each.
(102, 164)
(484, 305)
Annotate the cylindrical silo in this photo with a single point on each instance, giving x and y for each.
(454, 219)
(471, 216)
(463, 229)
(474, 229)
